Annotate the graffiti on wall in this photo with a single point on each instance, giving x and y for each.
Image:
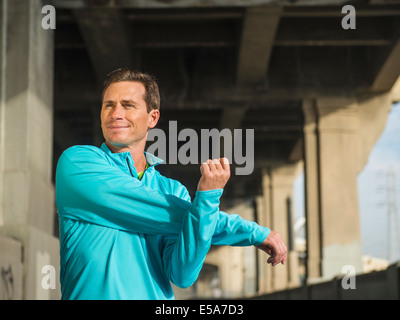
(6, 283)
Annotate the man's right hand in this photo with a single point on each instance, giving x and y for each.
(275, 247)
(214, 174)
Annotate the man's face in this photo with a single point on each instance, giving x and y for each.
(124, 117)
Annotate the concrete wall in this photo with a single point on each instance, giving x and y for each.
(382, 285)
(11, 273)
(27, 210)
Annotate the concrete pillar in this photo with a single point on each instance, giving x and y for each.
(312, 188)
(338, 127)
(264, 277)
(230, 264)
(248, 254)
(331, 168)
(339, 134)
(27, 192)
(237, 268)
(237, 265)
(277, 194)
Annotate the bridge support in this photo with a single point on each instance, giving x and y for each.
(26, 125)
(333, 230)
(339, 134)
(275, 211)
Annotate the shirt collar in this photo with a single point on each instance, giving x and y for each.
(151, 159)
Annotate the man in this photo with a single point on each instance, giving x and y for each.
(126, 231)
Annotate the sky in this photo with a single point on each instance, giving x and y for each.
(379, 179)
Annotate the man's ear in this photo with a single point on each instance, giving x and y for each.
(154, 116)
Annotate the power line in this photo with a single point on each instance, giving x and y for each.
(393, 227)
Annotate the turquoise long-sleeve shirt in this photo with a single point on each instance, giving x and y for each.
(125, 238)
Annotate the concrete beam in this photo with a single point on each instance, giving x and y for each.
(301, 31)
(232, 117)
(198, 15)
(332, 42)
(106, 38)
(395, 93)
(389, 71)
(373, 114)
(73, 4)
(258, 34)
(320, 11)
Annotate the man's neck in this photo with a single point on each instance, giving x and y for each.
(137, 154)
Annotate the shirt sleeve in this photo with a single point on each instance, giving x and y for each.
(184, 255)
(232, 229)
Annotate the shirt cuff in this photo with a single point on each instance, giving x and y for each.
(260, 234)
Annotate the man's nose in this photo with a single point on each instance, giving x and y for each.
(117, 112)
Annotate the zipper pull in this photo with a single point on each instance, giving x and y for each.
(129, 167)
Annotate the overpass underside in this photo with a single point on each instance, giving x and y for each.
(316, 95)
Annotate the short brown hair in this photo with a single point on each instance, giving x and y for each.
(152, 95)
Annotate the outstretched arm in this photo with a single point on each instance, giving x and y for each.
(272, 244)
(183, 256)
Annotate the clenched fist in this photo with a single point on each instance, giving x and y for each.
(214, 174)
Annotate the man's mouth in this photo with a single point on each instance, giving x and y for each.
(116, 127)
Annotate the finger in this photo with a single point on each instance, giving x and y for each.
(211, 165)
(284, 259)
(280, 255)
(225, 164)
(204, 168)
(274, 263)
(217, 164)
(276, 256)
(271, 251)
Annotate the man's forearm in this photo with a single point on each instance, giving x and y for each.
(184, 255)
(233, 230)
